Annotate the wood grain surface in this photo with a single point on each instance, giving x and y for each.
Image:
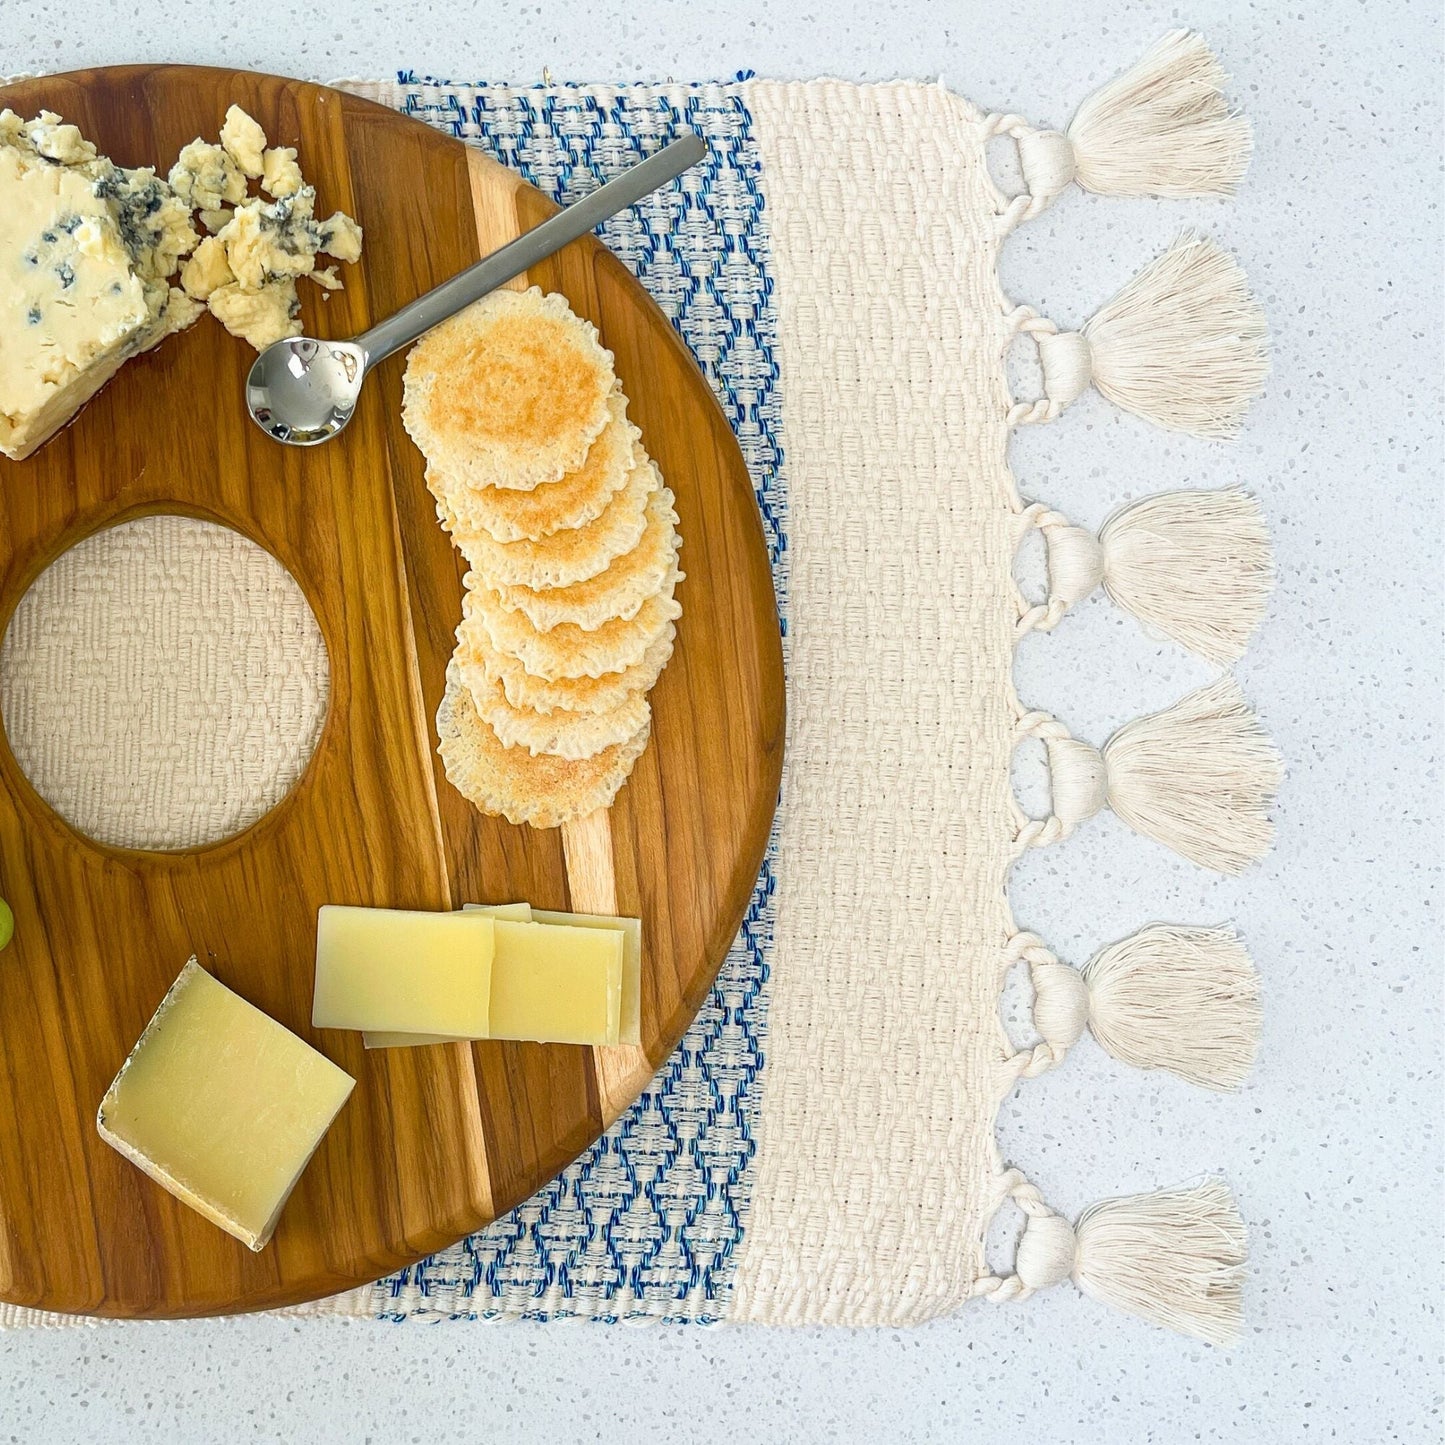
(437, 1141)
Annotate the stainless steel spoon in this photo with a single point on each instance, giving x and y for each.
(302, 391)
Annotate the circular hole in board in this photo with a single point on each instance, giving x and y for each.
(163, 684)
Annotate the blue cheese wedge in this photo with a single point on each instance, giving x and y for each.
(86, 252)
(89, 252)
(222, 1106)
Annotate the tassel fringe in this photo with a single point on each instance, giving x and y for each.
(1162, 128)
(1199, 777)
(1184, 343)
(1173, 1258)
(1181, 999)
(1195, 566)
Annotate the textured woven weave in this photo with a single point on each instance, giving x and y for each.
(875, 1174)
(164, 683)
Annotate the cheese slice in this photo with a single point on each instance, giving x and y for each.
(630, 1020)
(390, 1039)
(221, 1105)
(552, 982)
(556, 985)
(384, 968)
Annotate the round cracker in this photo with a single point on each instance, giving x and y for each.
(567, 650)
(524, 787)
(508, 515)
(616, 592)
(574, 735)
(564, 557)
(569, 694)
(510, 392)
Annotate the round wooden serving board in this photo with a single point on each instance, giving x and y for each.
(434, 1142)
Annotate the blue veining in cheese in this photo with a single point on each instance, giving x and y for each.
(86, 252)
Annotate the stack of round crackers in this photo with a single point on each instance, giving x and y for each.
(571, 537)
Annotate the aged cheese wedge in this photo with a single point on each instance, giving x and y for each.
(221, 1105)
(384, 968)
(573, 979)
(389, 1039)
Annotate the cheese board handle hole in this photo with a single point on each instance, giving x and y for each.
(163, 684)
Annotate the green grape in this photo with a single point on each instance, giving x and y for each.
(7, 923)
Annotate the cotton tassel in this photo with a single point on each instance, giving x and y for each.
(1182, 345)
(1195, 566)
(1198, 777)
(1173, 1258)
(1182, 999)
(1163, 128)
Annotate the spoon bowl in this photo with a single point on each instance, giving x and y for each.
(303, 392)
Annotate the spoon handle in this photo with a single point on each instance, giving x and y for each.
(404, 326)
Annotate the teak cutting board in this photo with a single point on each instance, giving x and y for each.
(435, 1141)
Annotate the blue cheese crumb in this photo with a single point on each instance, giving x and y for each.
(244, 141)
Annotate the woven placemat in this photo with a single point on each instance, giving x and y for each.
(821, 1147)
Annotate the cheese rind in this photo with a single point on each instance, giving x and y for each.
(383, 968)
(221, 1105)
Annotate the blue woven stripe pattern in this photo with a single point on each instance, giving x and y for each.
(647, 1223)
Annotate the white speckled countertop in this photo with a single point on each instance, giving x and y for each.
(1335, 1146)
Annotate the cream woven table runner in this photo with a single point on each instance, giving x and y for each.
(822, 1149)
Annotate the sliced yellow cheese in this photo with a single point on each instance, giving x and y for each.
(383, 968)
(553, 982)
(512, 912)
(390, 1039)
(221, 1105)
(630, 1021)
(556, 985)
